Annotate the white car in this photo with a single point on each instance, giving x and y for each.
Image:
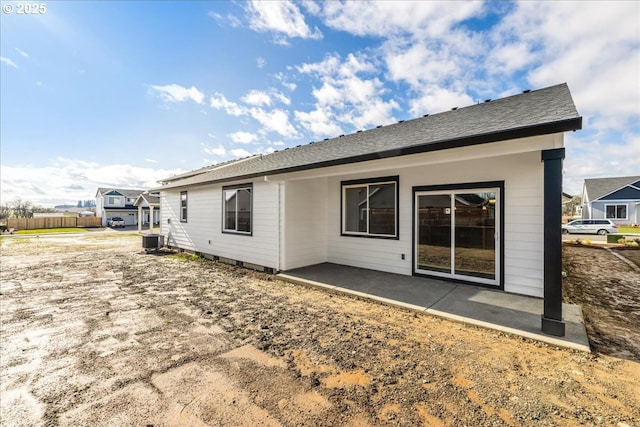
(590, 226)
(116, 221)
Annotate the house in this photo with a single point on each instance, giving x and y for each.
(472, 195)
(146, 203)
(617, 199)
(112, 202)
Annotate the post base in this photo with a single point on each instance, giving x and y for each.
(553, 327)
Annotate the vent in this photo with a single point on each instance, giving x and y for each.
(526, 91)
(378, 127)
(454, 108)
(400, 121)
(487, 100)
(426, 115)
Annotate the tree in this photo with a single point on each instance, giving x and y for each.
(22, 209)
(5, 211)
(569, 208)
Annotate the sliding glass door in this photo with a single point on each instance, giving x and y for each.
(457, 234)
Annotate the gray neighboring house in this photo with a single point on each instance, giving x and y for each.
(616, 198)
(472, 195)
(120, 202)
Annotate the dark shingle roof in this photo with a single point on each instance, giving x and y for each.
(538, 112)
(598, 187)
(131, 194)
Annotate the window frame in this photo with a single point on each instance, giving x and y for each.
(184, 206)
(344, 185)
(616, 206)
(247, 186)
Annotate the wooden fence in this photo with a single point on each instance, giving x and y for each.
(55, 222)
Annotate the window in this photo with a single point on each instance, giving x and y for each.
(237, 205)
(615, 211)
(113, 200)
(183, 206)
(370, 207)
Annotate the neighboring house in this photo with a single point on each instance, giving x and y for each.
(148, 205)
(472, 195)
(112, 202)
(617, 199)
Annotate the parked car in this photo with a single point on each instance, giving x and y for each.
(590, 226)
(116, 221)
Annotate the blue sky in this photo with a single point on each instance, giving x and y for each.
(124, 93)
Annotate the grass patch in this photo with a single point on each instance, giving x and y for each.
(622, 229)
(187, 257)
(52, 230)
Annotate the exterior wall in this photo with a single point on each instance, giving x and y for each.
(100, 210)
(305, 223)
(523, 226)
(523, 177)
(203, 230)
(296, 216)
(597, 210)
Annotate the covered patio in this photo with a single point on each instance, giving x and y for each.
(499, 310)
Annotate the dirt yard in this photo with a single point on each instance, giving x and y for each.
(96, 333)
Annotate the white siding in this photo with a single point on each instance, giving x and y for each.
(296, 216)
(305, 223)
(203, 230)
(523, 230)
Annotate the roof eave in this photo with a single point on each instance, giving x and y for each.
(572, 124)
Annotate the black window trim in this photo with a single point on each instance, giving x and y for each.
(455, 187)
(238, 187)
(395, 179)
(183, 218)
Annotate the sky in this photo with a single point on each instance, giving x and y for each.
(125, 93)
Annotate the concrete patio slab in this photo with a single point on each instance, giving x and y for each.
(509, 313)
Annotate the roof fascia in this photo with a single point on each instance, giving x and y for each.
(517, 133)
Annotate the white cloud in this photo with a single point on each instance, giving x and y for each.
(319, 122)
(216, 151)
(282, 98)
(389, 19)
(435, 99)
(593, 48)
(590, 157)
(22, 53)
(177, 93)
(261, 62)
(350, 94)
(69, 180)
(219, 101)
(257, 98)
(281, 17)
(274, 121)
(150, 161)
(240, 152)
(8, 62)
(243, 137)
(284, 81)
(230, 20)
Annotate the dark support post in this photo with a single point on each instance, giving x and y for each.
(552, 322)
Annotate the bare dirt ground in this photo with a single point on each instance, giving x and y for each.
(95, 333)
(608, 290)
